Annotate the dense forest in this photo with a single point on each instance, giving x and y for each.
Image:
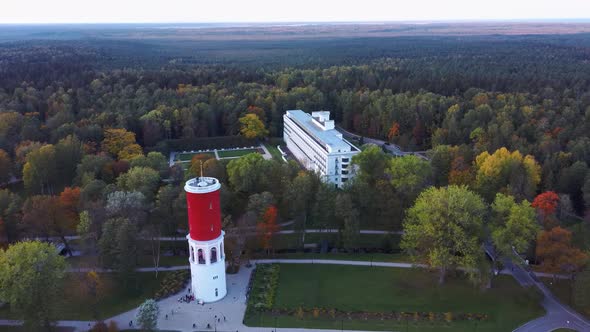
(90, 123)
(500, 125)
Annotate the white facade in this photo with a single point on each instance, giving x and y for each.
(207, 261)
(318, 146)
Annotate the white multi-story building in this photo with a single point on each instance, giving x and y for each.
(318, 146)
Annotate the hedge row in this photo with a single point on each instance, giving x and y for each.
(172, 284)
(331, 313)
(264, 287)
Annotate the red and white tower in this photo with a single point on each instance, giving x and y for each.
(205, 239)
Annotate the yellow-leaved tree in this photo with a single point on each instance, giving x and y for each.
(121, 143)
(252, 127)
(507, 172)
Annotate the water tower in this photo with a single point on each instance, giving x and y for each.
(205, 239)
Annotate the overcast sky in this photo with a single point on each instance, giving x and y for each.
(108, 11)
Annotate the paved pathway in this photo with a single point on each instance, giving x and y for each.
(266, 154)
(558, 314)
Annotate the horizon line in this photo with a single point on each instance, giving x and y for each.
(422, 21)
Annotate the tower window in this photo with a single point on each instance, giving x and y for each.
(213, 255)
(200, 256)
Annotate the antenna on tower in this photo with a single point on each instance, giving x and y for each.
(201, 168)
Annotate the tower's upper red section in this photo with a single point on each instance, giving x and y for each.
(204, 213)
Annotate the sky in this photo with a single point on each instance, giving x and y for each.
(204, 11)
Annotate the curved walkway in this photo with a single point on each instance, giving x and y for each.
(558, 314)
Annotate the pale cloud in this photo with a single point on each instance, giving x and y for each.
(92, 11)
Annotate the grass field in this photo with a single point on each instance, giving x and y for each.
(144, 261)
(235, 153)
(115, 298)
(272, 148)
(377, 257)
(189, 155)
(351, 288)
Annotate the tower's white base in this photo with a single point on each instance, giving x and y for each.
(207, 280)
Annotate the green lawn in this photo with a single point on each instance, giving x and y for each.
(189, 155)
(235, 153)
(377, 257)
(117, 299)
(276, 154)
(351, 288)
(390, 241)
(144, 261)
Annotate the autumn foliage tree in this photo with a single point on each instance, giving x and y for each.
(507, 172)
(121, 143)
(393, 131)
(267, 227)
(556, 252)
(546, 204)
(252, 127)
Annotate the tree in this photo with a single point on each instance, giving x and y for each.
(10, 209)
(147, 315)
(323, 206)
(546, 203)
(142, 179)
(252, 127)
(512, 225)
(507, 172)
(350, 229)
(45, 216)
(198, 163)
(69, 152)
(444, 228)
(127, 204)
(130, 152)
(40, 170)
(556, 252)
(88, 237)
(571, 181)
(393, 131)
(299, 197)
(31, 280)
(409, 175)
(116, 140)
(267, 227)
(245, 174)
(153, 160)
(118, 247)
(5, 167)
(586, 190)
(69, 199)
(370, 164)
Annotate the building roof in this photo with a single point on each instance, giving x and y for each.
(332, 138)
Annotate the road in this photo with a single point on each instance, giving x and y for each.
(558, 314)
(392, 148)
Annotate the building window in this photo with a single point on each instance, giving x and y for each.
(213, 255)
(344, 179)
(200, 256)
(221, 250)
(344, 160)
(192, 254)
(216, 293)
